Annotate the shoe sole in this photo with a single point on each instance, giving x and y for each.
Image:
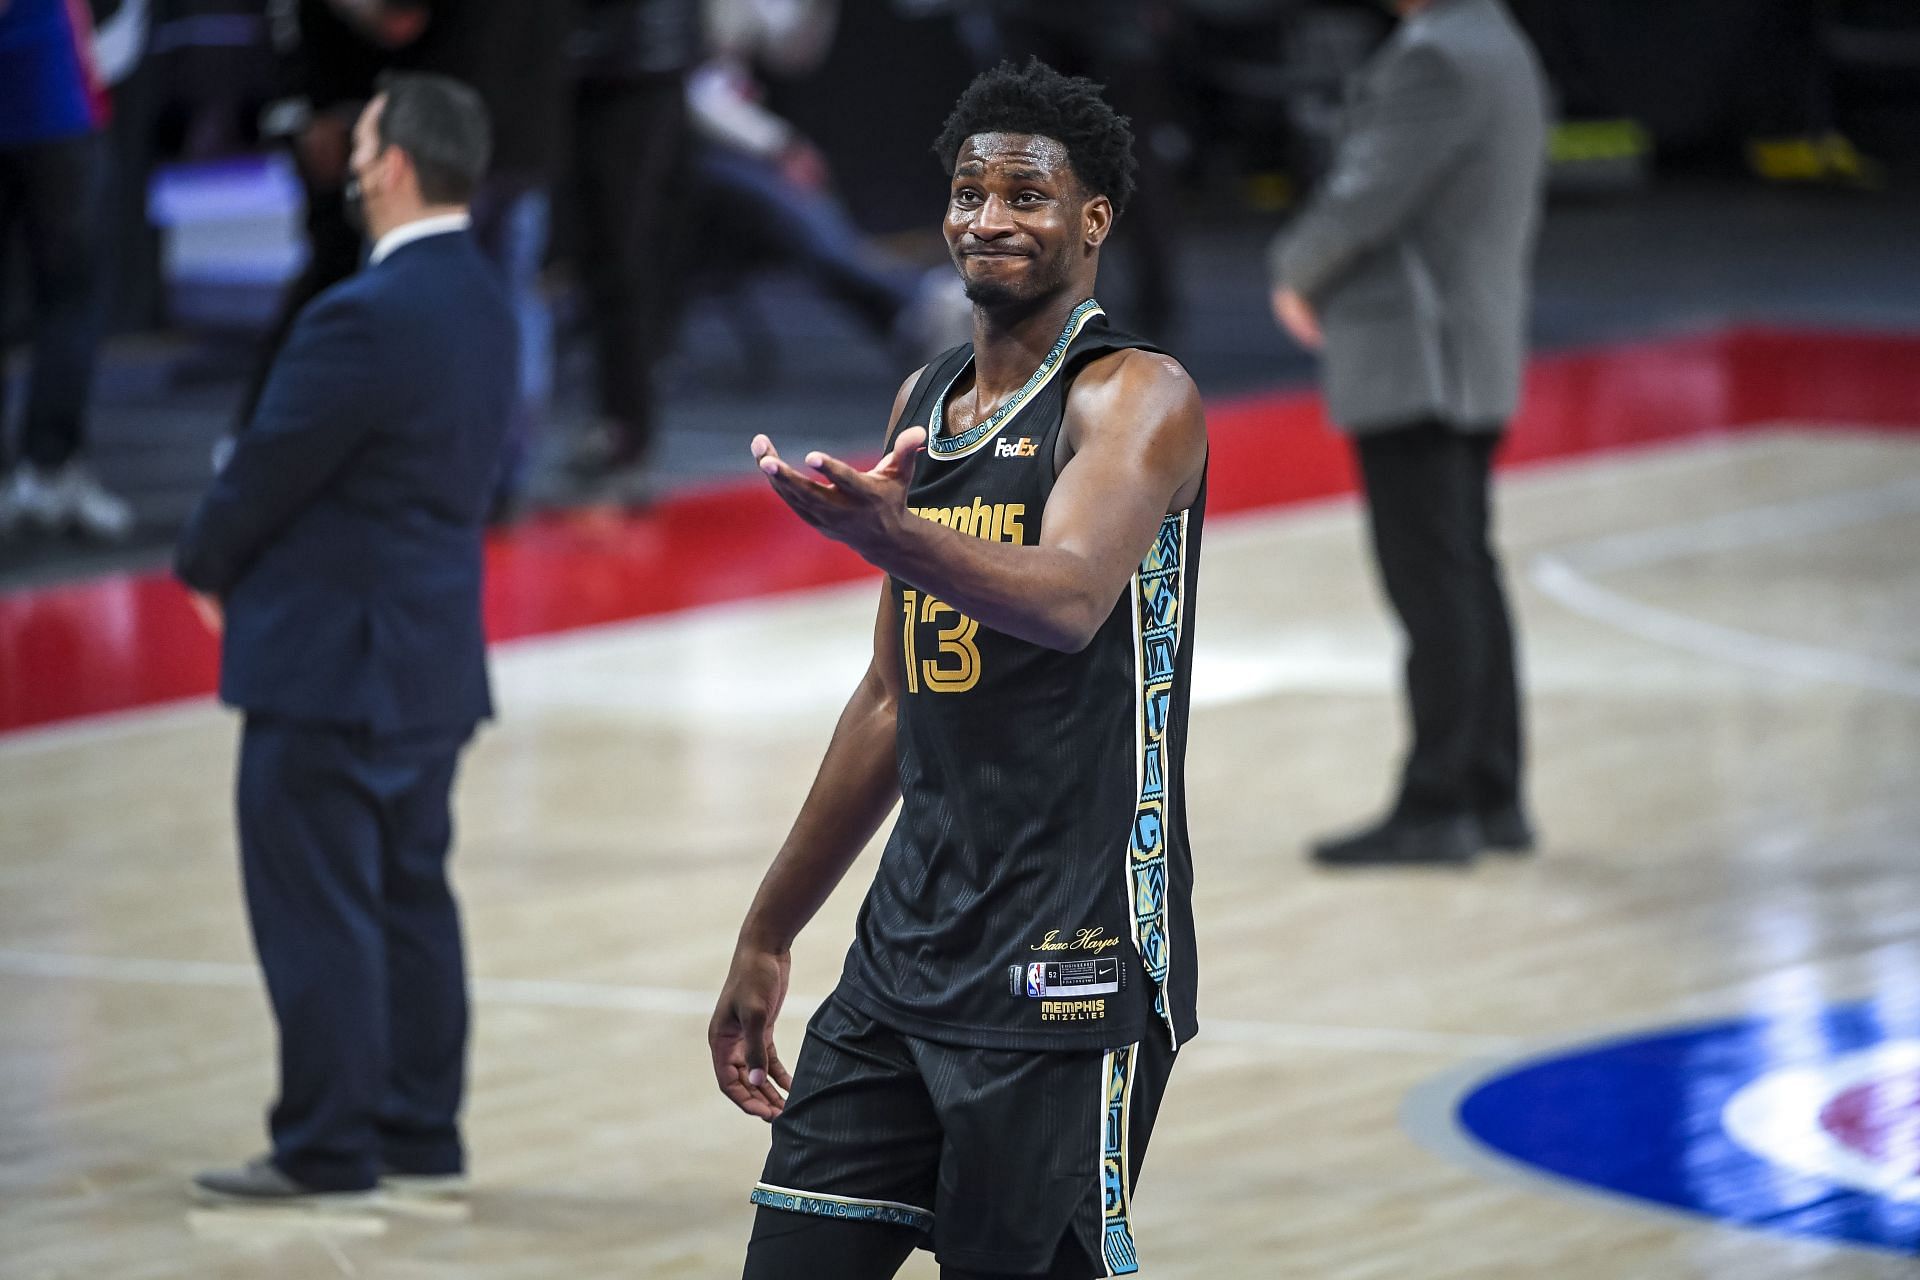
(305, 1202)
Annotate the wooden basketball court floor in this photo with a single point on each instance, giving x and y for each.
(1722, 644)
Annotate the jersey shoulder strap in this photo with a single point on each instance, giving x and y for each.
(1094, 340)
(1099, 338)
(933, 379)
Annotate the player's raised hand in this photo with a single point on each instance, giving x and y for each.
(746, 1065)
(859, 508)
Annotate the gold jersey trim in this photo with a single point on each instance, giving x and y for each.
(973, 439)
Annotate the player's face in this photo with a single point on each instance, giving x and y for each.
(1019, 222)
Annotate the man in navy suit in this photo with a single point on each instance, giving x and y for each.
(340, 548)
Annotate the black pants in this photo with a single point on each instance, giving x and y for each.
(50, 191)
(343, 846)
(1427, 496)
(631, 165)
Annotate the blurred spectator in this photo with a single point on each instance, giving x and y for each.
(331, 52)
(1266, 83)
(765, 196)
(1118, 44)
(1413, 262)
(1704, 77)
(514, 53)
(1796, 134)
(53, 106)
(128, 246)
(630, 168)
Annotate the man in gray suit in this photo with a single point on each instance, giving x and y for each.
(1409, 272)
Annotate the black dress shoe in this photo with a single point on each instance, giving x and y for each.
(1397, 842)
(261, 1182)
(1507, 830)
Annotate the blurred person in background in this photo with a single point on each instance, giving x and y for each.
(1795, 135)
(1409, 271)
(513, 53)
(129, 254)
(340, 548)
(331, 52)
(631, 157)
(53, 106)
(765, 192)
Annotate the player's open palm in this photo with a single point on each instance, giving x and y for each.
(859, 508)
(740, 1036)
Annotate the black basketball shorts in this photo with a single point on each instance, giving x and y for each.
(993, 1154)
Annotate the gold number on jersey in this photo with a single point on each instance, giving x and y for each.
(908, 599)
(958, 667)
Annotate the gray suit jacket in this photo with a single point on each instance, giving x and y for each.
(1418, 249)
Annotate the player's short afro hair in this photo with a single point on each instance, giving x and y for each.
(1036, 99)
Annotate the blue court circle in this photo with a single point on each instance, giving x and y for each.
(1646, 1116)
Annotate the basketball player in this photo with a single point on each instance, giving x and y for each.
(984, 1079)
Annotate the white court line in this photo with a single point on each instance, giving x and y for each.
(107, 726)
(1753, 526)
(681, 1002)
(1563, 577)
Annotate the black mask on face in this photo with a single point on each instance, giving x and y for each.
(355, 199)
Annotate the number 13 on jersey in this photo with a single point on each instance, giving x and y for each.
(956, 666)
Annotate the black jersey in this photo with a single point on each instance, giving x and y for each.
(1035, 892)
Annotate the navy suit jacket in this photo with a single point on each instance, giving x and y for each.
(344, 535)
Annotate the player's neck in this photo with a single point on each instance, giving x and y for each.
(1009, 343)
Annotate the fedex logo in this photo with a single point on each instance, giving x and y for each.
(1021, 448)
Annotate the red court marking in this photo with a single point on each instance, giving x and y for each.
(1880, 1120)
(129, 641)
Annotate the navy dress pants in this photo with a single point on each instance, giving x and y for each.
(343, 842)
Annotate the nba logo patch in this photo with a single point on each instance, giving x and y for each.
(1853, 1121)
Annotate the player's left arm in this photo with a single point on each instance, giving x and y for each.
(1134, 448)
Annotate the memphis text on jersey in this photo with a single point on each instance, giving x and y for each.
(1072, 1010)
(994, 521)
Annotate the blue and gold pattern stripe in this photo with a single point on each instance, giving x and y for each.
(855, 1210)
(1156, 630)
(1116, 1184)
(947, 448)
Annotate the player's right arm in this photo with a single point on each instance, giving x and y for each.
(855, 789)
